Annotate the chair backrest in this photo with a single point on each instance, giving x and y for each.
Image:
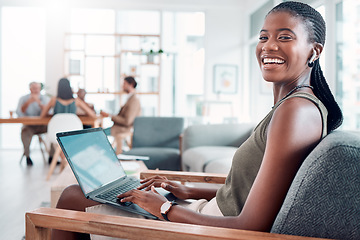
(157, 132)
(216, 135)
(324, 198)
(63, 122)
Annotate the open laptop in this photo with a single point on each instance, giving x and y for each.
(98, 170)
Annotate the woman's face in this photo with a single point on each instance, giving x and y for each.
(283, 49)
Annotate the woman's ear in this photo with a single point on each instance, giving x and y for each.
(318, 48)
(316, 52)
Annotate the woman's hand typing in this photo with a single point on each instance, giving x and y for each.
(179, 190)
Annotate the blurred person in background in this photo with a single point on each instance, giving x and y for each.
(31, 105)
(64, 102)
(81, 93)
(124, 120)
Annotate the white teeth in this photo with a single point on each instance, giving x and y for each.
(273, 60)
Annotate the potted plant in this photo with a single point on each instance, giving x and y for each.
(150, 55)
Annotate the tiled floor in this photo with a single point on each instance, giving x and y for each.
(22, 188)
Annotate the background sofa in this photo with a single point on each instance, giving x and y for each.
(210, 148)
(158, 138)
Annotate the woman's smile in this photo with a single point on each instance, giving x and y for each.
(269, 63)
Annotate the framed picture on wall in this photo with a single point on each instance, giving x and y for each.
(74, 66)
(225, 78)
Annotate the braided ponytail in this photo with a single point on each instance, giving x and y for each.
(323, 93)
(315, 25)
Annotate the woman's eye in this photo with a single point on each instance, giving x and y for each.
(285, 38)
(262, 38)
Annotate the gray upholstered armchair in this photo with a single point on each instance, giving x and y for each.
(324, 198)
(158, 138)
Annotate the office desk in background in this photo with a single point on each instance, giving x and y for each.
(94, 122)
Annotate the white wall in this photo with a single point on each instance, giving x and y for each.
(223, 31)
(224, 35)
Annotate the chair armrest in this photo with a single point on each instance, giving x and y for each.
(39, 222)
(181, 136)
(180, 176)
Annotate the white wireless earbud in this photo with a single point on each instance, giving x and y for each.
(311, 60)
(313, 56)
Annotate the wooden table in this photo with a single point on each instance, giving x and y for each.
(67, 178)
(86, 120)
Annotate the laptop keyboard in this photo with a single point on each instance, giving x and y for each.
(112, 194)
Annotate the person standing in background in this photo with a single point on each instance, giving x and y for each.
(124, 120)
(31, 105)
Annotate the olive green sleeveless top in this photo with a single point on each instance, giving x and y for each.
(247, 160)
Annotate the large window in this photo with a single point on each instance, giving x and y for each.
(347, 61)
(127, 42)
(23, 61)
(187, 53)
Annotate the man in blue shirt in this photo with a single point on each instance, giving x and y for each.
(31, 105)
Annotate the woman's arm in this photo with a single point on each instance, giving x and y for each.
(179, 190)
(293, 132)
(80, 103)
(46, 108)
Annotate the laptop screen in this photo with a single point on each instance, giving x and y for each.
(91, 157)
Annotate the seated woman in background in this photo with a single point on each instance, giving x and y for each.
(65, 102)
(290, 43)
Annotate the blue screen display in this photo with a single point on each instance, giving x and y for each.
(92, 158)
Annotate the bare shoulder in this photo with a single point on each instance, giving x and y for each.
(297, 110)
(297, 119)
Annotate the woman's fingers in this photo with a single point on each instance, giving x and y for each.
(126, 194)
(153, 190)
(152, 178)
(127, 199)
(145, 184)
(152, 181)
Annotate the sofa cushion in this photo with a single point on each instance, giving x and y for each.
(195, 159)
(220, 165)
(157, 132)
(324, 198)
(232, 135)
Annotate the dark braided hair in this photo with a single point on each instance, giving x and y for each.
(315, 25)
